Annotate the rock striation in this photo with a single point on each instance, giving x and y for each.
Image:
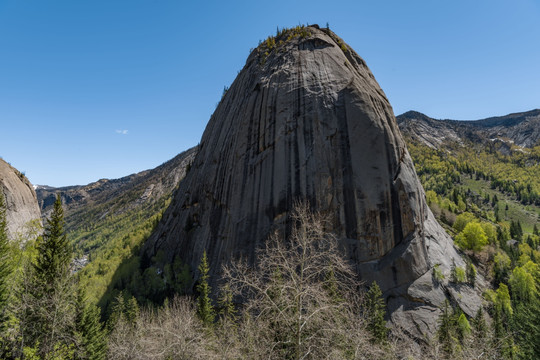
(21, 200)
(306, 120)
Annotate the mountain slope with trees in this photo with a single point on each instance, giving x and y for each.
(107, 221)
(520, 129)
(484, 187)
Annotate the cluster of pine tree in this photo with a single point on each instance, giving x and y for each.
(44, 314)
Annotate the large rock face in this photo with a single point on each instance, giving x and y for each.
(305, 119)
(21, 201)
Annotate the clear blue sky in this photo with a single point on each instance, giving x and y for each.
(95, 89)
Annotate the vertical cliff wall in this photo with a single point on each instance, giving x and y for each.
(305, 119)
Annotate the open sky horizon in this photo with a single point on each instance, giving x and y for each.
(103, 89)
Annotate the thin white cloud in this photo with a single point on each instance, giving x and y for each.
(122, 132)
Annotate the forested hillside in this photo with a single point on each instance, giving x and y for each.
(486, 193)
(108, 221)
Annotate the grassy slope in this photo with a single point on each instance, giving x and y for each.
(527, 215)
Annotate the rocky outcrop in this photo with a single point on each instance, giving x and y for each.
(306, 120)
(521, 129)
(433, 133)
(21, 200)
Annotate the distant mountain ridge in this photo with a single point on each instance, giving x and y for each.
(143, 186)
(521, 129)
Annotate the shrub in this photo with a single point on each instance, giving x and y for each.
(437, 273)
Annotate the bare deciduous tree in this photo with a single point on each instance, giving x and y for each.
(302, 300)
(172, 332)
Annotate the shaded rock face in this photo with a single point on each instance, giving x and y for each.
(309, 122)
(21, 200)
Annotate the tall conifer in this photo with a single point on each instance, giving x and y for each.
(5, 262)
(205, 310)
(54, 251)
(376, 310)
(90, 330)
(52, 303)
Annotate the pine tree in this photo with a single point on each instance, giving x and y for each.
(226, 305)
(535, 230)
(453, 272)
(205, 310)
(330, 285)
(471, 273)
(5, 263)
(525, 325)
(117, 311)
(463, 327)
(502, 311)
(375, 309)
(94, 341)
(516, 231)
(479, 324)
(54, 251)
(90, 330)
(131, 310)
(446, 332)
(52, 302)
